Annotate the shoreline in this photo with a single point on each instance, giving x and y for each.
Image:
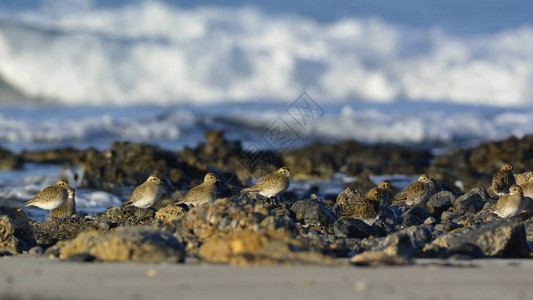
(39, 278)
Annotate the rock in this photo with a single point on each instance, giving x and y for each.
(313, 213)
(37, 251)
(473, 201)
(258, 248)
(529, 229)
(142, 245)
(376, 258)
(15, 231)
(414, 216)
(52, 230)
(352, 228)
(170, 213)
(9, 161)
(348, 196)
(439, 203)
(405, 243)
(463, 251)
(504, 238)
(129, 216)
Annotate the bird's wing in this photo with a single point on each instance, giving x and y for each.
(48, 193)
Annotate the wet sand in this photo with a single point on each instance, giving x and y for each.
(38, 278)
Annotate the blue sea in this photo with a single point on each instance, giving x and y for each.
(86, 73)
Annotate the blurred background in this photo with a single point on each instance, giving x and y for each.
(432, 74)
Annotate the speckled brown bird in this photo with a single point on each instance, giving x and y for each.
(271, 185)
(68, 208)
(146, 194)
(366, 209)
(386, 190)
(415, 193)
(51, 197)
(503, 180)
(203, 193)
(527, 189)
(511, 204)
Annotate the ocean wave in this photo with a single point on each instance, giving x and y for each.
(154, 53)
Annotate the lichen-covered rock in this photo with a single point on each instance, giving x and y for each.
(503, 238)
(15, 231)
(52, 230)
(129, 216)
(313, 213)
(258, 248)
(170, 213)
(137, 244)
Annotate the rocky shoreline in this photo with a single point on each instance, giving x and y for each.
(243, 230)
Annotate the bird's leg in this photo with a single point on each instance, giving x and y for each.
(272, 201)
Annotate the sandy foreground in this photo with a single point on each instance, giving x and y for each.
(39, 278)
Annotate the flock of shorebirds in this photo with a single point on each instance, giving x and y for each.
(512, 191)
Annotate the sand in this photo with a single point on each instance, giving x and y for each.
(39, 278)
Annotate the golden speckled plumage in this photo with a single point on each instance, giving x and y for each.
(415, 193)
(386, 191)
(510, 204)
(68, 208)
(51, 197)
(366, 209)
(272, 184)
(503, 180)
(146, 194)
(523, 178)
(203, 193)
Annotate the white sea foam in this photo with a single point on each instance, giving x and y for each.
(151, 52)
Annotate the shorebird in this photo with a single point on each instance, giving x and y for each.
(503, 180)
(68, 208)
(271, 185)
(146, 194)
(416, 193)
(51, 197)
(205, 192)
(386, 190)
(366, 209)
(510, 204)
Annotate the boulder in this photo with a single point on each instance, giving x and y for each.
(313, 213)
(170, 213)
(137, 244)
(15, 231)
(472, 202)
(439, 203)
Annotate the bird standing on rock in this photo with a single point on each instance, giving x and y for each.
(503, 180)
(146, 194)
(271, 185)
(386, 190)
(511, 204)
(416, 193)
(68, 208)
(202, 193)
(367, 209)
(51, 197)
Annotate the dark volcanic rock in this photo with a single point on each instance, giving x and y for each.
(132, 216)
(353, 228)
(414, 216)
(405, 243)
(313, 213)
(15, 231)
(472, 202)
(503, 238)
(53, 230)
(439, 203)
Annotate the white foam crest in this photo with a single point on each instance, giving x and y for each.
(17, 130)
(159, 54)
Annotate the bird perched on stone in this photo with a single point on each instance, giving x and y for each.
(510, 204)
(416, 193)
(386, 190)
(146, 194)
(366, 209)
(271, 185)
(51, 197)
(68, 208)
(503, 180)
(203, 193)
